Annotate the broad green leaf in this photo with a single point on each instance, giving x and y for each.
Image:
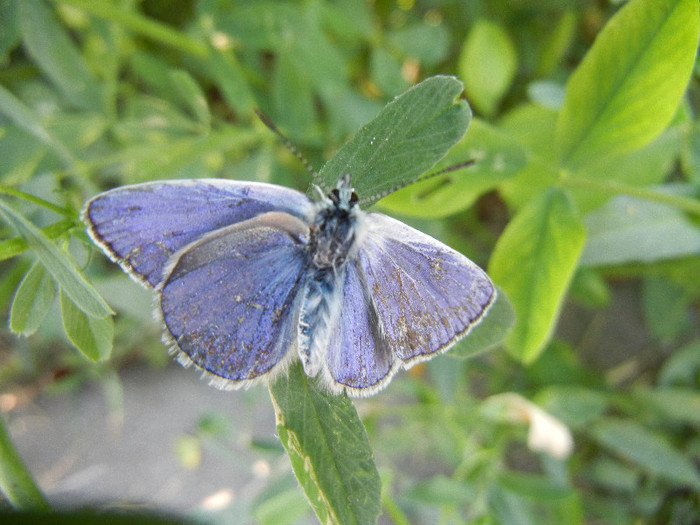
(426, 43)
(627, 229)
(630, 82)
(329, 450)
(49, 44)
(91, 335)
(32, 300)
(648, 450)
(645, 166)
(487, 65)
(61, 267)
(489, 332)
(497, 157)
(533, 261)
(408, 137)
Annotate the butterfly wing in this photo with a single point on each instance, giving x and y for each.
(359, 359)
(427, 296)
(230, 300)
(143, 225)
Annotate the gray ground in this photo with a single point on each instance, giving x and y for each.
(83, 451)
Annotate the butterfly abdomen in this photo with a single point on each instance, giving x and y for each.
(319, 312)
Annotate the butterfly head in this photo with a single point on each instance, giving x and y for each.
(341, 198)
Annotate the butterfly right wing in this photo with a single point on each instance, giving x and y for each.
(141, 226)
(230, 300)
(426, 295)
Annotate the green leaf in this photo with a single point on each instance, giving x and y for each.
(627, 230)
(29, 121)
(497, 159)
(284, 508)
(630, 82)
(533, 261)
(190, 95)
(487, 65)
(54, 52)
(682, 367)
(61, 267)
(91, 335)
(676, 404)
(408, 137)
(651, 452)
(489, 332)
(32, 300)
(329, 450)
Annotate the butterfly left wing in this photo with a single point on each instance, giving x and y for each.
(427, 296)
(230, 300)
(141, 226)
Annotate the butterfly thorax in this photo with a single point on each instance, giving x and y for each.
(334, 230)
(332, 241)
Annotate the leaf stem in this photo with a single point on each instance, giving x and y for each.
(4, 190)
(16, 482)
(141, 25)
(616, 188)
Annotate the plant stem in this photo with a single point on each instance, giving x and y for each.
(616, 188)
(141, 25)
(16, 482)
(4, 190)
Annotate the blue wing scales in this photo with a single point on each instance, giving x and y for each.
(143, 225)
(230, 300)
(427, 295)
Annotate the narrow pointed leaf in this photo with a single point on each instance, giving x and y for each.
(61, 267)
(328, 447)
(534, 261)
(407, 137)
(32, 300)
(54, 52)
(629, 85)
(91, 335)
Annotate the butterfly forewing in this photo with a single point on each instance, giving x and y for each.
(143, 225)
(426, 295)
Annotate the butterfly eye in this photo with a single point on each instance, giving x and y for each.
(354, 199)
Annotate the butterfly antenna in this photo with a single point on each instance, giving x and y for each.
(427, 176)
(287, 143)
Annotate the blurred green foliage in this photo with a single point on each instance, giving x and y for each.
(582, 203)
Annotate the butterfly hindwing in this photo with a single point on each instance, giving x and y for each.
(358, 358)
(143, 225)
(427, 296)
(230, 300)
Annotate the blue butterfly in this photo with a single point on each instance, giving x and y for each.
(250, 275)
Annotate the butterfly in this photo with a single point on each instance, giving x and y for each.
(250, 275)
